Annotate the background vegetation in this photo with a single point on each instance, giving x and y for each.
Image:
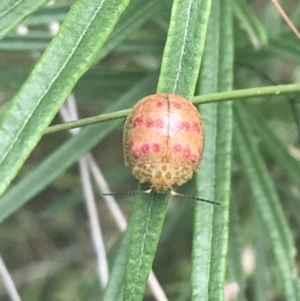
(110, 54)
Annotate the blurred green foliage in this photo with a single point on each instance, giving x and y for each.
(46, 244)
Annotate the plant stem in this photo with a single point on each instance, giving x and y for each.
(201, 99)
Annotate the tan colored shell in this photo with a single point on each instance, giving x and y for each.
(163, 141)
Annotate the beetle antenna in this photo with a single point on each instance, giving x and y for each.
(122, 192)
(174, 193)
(128, 192)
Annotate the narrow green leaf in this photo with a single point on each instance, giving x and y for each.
(184, 47)
(274, 146)
(142, 46)
(263, 288)
(250, 22)
(30, 42)
(211, 223)
(110, 84)
(13, 12)
(50, 13)
(68, 154)
(114, 286)
(287, 46)
(66, 59)
(179, 73)
(149, 214)
(3, 109)
(267, 203)
(235, 268)
(295, 14)
(138, 13)
(185, 293)
(284, 45)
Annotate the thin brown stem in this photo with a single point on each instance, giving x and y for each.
(286, 18)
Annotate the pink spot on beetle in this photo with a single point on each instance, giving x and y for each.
(145, 148)
(196, 127)
(155, 147)
(159, 104)
(194, 158)
(186, 152)
(183, 125)
(177, 148)
(177, 105)
(136, 153)
(155, 123)
(130, 144)
(137, 121)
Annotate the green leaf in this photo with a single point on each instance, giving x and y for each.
(138, 13)
(274, 146)
(142, 47)
(250, 22)
(135, 15)
(268, 206)
(184, 47)
(67, 154)
(210, 241)
(185, 292)
(66, 59)
(285, 45)
(149, 214)
(262, 274)
(50, 13)
(110, 84)
(179, 72)
(13, 12)
(114, 286)
(37, 41)
(236, 273)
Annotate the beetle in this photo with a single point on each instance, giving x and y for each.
(163, 142)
